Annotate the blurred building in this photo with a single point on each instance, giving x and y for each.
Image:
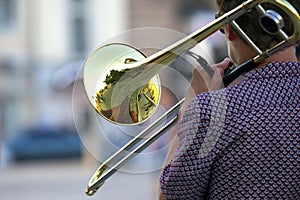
(38, 37)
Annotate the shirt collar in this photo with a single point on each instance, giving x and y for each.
(275, 69)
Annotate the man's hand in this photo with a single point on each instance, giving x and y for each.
(203, 82)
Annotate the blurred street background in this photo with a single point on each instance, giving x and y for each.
(49, 146)
(67, 180)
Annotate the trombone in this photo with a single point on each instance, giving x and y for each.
(122, 85)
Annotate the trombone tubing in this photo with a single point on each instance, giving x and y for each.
(94, 185)
(152, 64)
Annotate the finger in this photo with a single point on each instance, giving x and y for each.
(208, 71)
(203, 79)
(200, 80)
(217, 79)
(204, 74)
(222, 66)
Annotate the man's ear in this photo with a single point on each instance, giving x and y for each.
(230, 32)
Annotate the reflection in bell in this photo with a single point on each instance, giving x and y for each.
(136, 108)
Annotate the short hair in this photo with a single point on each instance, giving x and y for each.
(249, 21)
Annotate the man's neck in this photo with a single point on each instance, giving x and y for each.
(285, 55)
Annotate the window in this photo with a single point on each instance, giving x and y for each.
(78, 26)
(7, 14)
(79, 35)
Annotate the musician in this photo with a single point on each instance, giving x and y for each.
(239, 142)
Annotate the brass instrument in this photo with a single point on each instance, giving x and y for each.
(122, 85)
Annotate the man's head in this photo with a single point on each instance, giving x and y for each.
(250, 24)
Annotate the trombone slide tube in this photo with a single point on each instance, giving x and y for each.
(98, 178)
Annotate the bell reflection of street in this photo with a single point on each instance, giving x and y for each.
(67, 180)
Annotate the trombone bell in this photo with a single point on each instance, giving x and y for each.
(103, 69)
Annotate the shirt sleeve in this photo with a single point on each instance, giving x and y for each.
(187, 175)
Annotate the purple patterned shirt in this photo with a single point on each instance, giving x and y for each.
(241, 142)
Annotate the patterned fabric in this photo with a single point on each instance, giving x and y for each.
(240, 142)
